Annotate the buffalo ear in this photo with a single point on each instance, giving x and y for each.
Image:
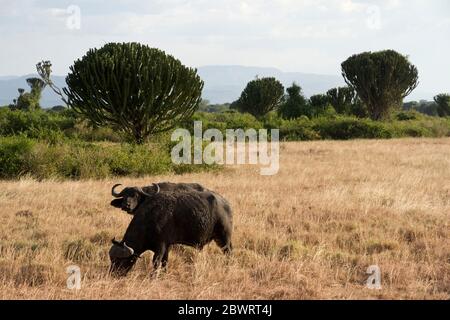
(117, 203)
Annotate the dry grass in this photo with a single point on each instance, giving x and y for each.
(309, 232)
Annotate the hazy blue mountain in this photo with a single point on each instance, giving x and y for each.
(222, 83)
(225, 83)
(10, 84)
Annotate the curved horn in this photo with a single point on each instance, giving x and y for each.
(121, 251)
(158, 189)
(129, 249)
(139, 190)
(114, 193)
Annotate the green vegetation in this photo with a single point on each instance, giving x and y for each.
(381, 79)
(260, 96)
(53, 126)
(49, 144)
(333, 126)
(443, 104)
(205, 106)
(76, 159)
(318, 105)
(295, 105)
(29, 100)
(140, 90)
(123, 98)
(345, 101)
(119, 96)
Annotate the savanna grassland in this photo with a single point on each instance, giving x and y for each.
(309, 232)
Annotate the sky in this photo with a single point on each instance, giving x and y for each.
(311, 36)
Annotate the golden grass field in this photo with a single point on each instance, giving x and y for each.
(309, 232)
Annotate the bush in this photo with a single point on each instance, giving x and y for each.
(330, 126)
(138, 160)
(424, 127)
(223, 121)
(33, 124)
(74, 159)
(82, 130)
(53, 126)
(408, 115)
(344, 128)
(410, 129)
(14, 156)
(298, 130)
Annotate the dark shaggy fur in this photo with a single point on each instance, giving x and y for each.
(192, 218)
(131, 199)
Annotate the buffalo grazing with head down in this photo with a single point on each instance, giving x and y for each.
(168, 214)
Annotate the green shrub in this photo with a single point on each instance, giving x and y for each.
(345, 128)
(223, 121)
(33, 124)
(14, 156)
(426, 126)
(330, 126)
(138, 160)
(274, 121)
(408, 115)
(300, 129)
(53, 126)
(84, 132)
(75, 159)
(410, 129)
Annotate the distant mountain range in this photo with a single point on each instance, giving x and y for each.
(225, 83)
(10, 84)
(222, 83)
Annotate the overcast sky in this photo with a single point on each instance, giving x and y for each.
(312, 36)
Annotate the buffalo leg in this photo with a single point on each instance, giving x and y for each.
(165, 258)
(223, 240)
(158, 258)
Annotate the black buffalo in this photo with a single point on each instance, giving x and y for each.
(164, 218)
(130, 198)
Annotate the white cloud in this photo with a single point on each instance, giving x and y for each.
(351, 6)
(295, 35)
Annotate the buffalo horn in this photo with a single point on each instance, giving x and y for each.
(114, 193)
(147, 194)
(121, 251)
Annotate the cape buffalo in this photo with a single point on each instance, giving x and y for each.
(129, 198)
(164, 218)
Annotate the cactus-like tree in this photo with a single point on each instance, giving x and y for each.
(443, 104)
(44, 69)
(141, 90)
(341, 98)
(27, 101)
(381, 79)
(261, 96)
(345, 100)
(318, 104)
